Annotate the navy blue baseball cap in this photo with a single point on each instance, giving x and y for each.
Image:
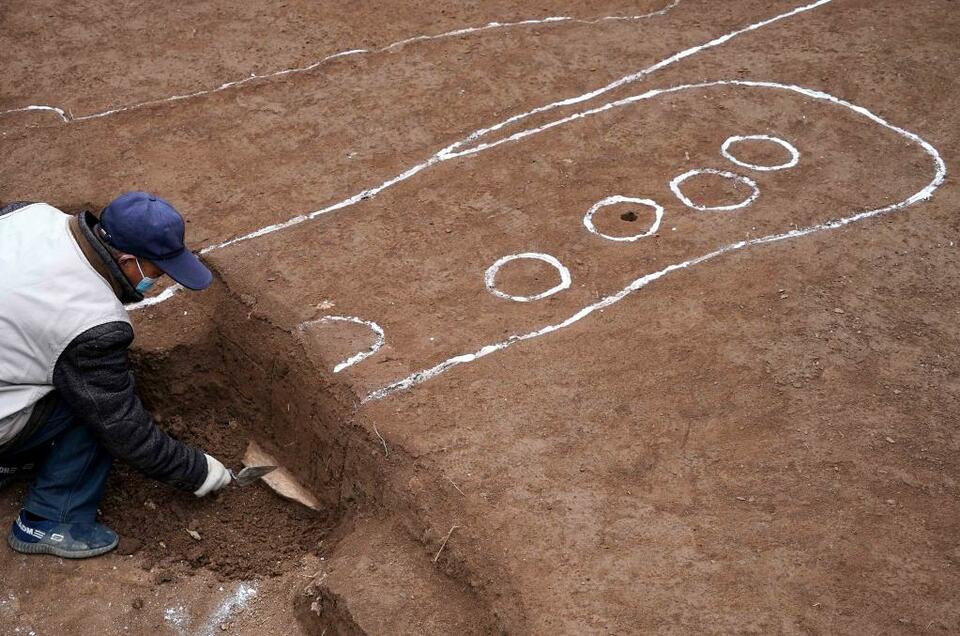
(146, 226)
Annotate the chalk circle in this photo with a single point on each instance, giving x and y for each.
(676, 183)
(657, 211)
(361, 355)
(491, 275)
(786, 145)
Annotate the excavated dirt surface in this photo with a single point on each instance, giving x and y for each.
(765, 441)
(244, 533)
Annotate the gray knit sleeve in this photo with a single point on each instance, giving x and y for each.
(13, 207)
(93, 377)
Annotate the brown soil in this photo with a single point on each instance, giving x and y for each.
(245, 533)
(763, 443)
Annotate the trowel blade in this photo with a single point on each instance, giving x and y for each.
(251, 474)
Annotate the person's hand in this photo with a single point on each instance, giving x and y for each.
(217, 477)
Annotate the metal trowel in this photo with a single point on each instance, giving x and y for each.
(250, 474)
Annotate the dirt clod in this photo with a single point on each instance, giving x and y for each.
(129, 545)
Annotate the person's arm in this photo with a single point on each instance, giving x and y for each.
(93, 377)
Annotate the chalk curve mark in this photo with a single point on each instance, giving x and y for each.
(68, 118)
(602, 203)
(490, 276)
(357, 357)
(783, 143)
(747, 181)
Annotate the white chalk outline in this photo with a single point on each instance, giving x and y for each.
(678, 181)
(921, 195)
(602, 203)
(358, 357)
(490, 276)
(461, 149)
(789, 147)
(67, 117)
(452, 151)
(457, 149)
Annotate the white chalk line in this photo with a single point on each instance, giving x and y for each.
(626, 79)
(253, 77)
(490, 276)
(53, 109)
(451, 152)
(940, 174)
(166, 294)
(358, 357)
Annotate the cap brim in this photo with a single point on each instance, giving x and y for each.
(187, 270)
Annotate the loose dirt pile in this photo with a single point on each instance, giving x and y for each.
(248, 532)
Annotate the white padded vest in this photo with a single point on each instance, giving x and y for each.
(49, 294)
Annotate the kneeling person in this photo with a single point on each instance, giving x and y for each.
(68, 404)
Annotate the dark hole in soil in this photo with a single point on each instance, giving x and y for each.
(629, 216)
(244, 533)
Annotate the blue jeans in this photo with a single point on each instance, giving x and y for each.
(72, 468)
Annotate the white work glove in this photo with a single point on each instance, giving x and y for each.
(217, 477)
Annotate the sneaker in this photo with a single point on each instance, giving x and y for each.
(10, 474)
(67, 540)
